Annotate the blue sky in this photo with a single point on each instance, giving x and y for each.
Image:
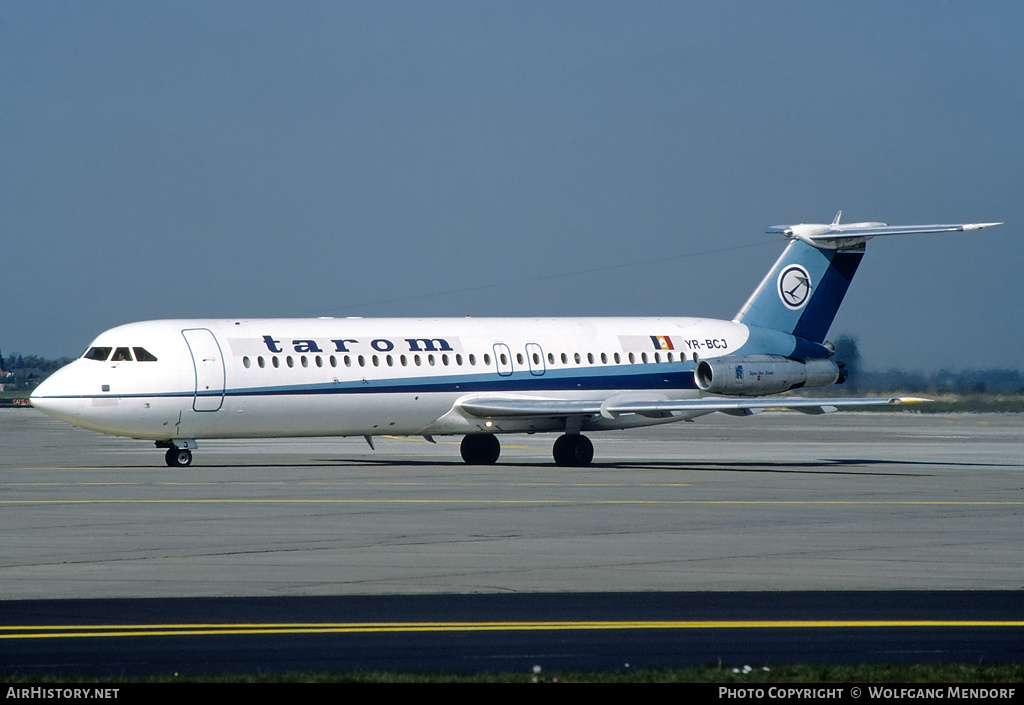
(248, 159)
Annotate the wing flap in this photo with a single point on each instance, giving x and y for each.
(518, 407)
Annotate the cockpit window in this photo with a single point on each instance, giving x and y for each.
(100, 354)
(120, 354)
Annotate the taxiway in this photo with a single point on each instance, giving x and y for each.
(778, 537)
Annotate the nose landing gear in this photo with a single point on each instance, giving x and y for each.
(179, 452)
(178, 457)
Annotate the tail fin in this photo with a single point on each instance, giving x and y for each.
(802, 292)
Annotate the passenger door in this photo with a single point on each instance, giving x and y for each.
(209, 367)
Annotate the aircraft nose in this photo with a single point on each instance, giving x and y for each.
(40, 395)
(53, 398)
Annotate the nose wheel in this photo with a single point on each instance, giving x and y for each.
(178, 457)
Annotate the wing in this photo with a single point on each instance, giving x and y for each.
(518, 407)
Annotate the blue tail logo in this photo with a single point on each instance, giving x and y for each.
(794, 287)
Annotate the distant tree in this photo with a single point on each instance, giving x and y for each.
(28, 371)
(848, 353)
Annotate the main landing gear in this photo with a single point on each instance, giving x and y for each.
(573, 450)
(570, 450)
(480, 449)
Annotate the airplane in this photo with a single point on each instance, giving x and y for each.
(175, 382)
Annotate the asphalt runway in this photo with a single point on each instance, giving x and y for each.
(510, 633)
(778, 504)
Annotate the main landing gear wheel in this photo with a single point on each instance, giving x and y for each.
(480, 449)
(573, 450)
(178, 457)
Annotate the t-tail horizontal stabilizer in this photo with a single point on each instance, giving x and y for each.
(850, 235)
(802, 292)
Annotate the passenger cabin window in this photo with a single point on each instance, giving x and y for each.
(100, 354)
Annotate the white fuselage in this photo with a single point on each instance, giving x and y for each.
(336, 377)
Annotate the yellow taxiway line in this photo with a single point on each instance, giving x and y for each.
(200, 629)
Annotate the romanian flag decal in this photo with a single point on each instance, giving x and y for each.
(662, 342)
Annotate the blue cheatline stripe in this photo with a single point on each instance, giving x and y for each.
(521, 382)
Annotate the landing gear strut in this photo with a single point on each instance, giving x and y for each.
(480, 449)
(573, 450)
(178, 457)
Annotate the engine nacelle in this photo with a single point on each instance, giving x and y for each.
(753, 375)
